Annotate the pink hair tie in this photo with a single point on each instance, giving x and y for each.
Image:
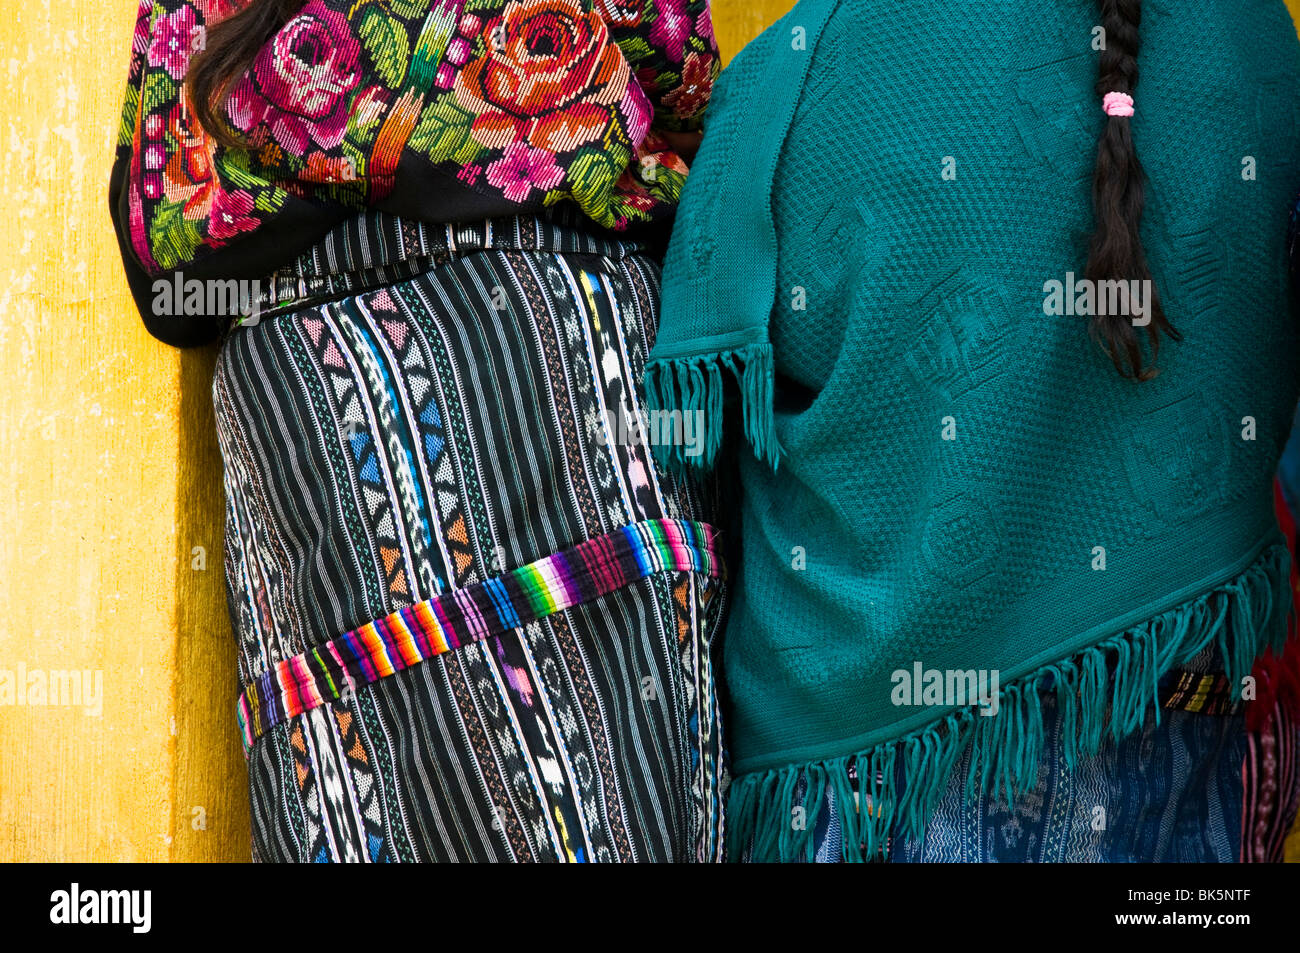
(1118, 104)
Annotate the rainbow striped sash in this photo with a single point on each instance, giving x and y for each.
(422, 631)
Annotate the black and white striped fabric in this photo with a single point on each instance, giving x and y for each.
(388, 436)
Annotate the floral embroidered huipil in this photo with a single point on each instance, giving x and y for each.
(437, 110)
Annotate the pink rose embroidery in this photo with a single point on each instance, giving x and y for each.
(299, 84)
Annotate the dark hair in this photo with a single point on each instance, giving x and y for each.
(230, 48)
(1118, 185)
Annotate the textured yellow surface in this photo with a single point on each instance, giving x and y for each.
(110, 483)
(111, 477)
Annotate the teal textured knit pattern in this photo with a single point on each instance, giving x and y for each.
(944, 476)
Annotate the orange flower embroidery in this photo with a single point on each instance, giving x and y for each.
(553, 81)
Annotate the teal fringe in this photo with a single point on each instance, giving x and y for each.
(696, 384)
(1241, 618)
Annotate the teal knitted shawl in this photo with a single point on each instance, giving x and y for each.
(954, 504)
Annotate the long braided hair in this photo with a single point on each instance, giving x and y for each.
(1118, 187)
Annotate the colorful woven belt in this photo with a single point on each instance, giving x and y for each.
(427, 629)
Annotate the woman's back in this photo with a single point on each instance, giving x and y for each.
(966, 481)
(929, 252)
(973, 133)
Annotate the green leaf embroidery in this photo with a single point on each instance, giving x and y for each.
(126, 128)
(269, 200)
(409, 8)
(386, 41)
(635, 49)
(443, 134)
(172, 237)
(159, 92)
(590, 176)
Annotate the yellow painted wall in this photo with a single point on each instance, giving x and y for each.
(110, 477)
(109, 480)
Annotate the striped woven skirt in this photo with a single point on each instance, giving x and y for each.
(474, 619)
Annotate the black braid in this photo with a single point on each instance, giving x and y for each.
(1116, 251)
